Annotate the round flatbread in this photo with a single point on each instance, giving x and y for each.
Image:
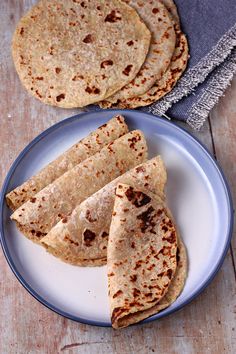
(166, 83)
(156, 16)
(73, 53)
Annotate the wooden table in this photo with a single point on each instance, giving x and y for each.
(207, 325)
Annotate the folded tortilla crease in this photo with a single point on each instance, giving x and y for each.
(94, 142)
(83, 238)
(56, 201)
(141, 255)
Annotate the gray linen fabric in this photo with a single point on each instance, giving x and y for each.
(210, 26)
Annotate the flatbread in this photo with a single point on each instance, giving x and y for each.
(167, 82)
(94, 142)
(83, 238)
(141, 255)
(55, 202)
(156, 16)
(73, 53)
(178, 281)
(171, 7)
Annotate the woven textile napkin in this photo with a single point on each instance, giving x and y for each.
(210, 26)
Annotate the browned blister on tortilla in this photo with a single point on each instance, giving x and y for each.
(88, 146)
(141, 255)
(56, 201)
(83, 237)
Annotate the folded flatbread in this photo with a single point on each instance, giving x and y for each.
(94, 142)
(177, 283)
(55, 202)
(82, 238)
(141, 255)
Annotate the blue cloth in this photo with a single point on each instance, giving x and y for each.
(210, 26)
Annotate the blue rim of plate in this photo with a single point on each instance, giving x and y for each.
(63, 122)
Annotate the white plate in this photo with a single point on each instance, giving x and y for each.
(197, 195)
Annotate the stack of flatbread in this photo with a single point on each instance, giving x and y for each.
(127, 54)
(102, 202)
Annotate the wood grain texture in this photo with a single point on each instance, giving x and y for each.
(207, 325)
(223, 126)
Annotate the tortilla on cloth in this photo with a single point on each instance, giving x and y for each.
(162, 46)
(94, 142)
(56, 201)
(82, 239)
(141, 255)
(73, 53)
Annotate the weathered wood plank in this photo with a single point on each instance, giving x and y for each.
(223, 123)
(204, 326)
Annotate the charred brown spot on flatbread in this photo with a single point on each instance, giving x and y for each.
(133, 141)
(60, 97)
(139, 199)
(170, 238)
(127, 70)
(113, 16)
(39, 233)
(133, 277)
(136, 292)
(89, 236)
(119, 292)
(106, 63)
(89, 217)
(140, 169)
(169, 273)
(147, 219)
(68, 239)
(104, 234)
(88, 39)
(178, 255)
(92, 90)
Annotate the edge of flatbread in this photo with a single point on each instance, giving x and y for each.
(88, 146)
(84, 235)
(141, 255)
(166, 83)
(55, 202)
